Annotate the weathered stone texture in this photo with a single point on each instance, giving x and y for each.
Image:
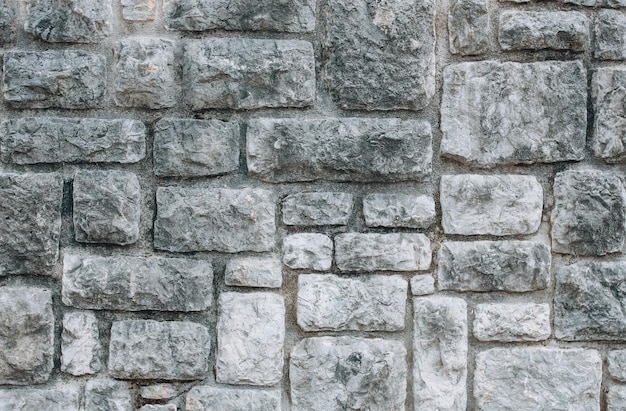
(610, 35)
(560, 30)
(439, 353)
(616, 397)
(513, 266)
(7, 21)
(346, 149)
(537, 378)
(227, 220)
(81, 351)
(589, 214)
(339, 373)
(204, 397)
(379, 56)
(469, 27)
(384, 252)
(315, 209)
(617, 4)
(330, 302)
(158, 407)
(422, 285)
(161, 391)
(248, 74)
(616, 361)
(70, 79)
(138, 10)
(398, 210)
(51, 399)
(250, 338)
(136, 283)
(512, 322)
(107, 395)
(608, 89)
(147, 349)
(193, 148)
(254, 272)
(308, 250)
(508, 113)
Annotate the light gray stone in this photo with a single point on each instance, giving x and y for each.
(204, 398)
(330, 302)
(608, 89)
(439, 354)
(512, 322)
(193, 148)
(108, 395)
(346, 149)
(496, 113)
(616, 4)
(292, 16)
(161, 391)
(26, 335)
(106, 207)
(610, 35)
(250, 338)
(499, 205)
(63, 398)
(559, 30)
(616, 360)
(399, 210)
(144, 73)
(512, 266)
(81, 352)
(348, 373)
(246, 74)
(469, 27)
(537, 378)
(308, 250)
(379, 55)
(7, 21)
(384, 252)
(137, 283)
(589, 214)
(138, 10)
(254, 272)
(30, 222)
(158, 407)
(422, 285)
(315, 209)
(226, 220)
(33, 140)
(616, 397)
(147, 349)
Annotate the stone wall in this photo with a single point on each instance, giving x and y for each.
(267, 205)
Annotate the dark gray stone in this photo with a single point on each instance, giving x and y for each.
(64, 398)
(610, 39)
(398, 210)
(608, 89)
(138, 10)
(469, 27)
(7, 21)
(559, 30)
(315, 209)
(254, 272)
(204, 397)
(81, 351)
(108, 395)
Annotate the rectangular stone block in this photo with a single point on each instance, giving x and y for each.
(608, 89)
(379, 56)
(469, 27)
(499, 205)
(512, 266)
(512, 322)
(138, 10)
(616, 364)
(311, 251)
(422, 285)
(137, 283)
(398, 210)
(152, 350)
(104, 394)
(226, 220)
(204, 397)
(66, 398)
(81, 351)
(496, 113)
(254, 272)
(327, 302)
(610, 35)
(339, 149)
(159, 391)
(71, 79)
(439, 353)
(559, 30)
(382, 252)
(33, 140)
(616, 4)
(315, 209)
(246, 74)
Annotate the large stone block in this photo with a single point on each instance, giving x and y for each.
(204, 397)
(512, 322)
(81, 351)
(107, 395)
(610, 39)
(63, 398)
(608, 89)
(308, 250)
(315, 209)
(398, 210)
(559, 30)
(469, 27)
(254, 272)
(496, 113)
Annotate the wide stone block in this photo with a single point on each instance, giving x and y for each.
(226, 220)
(63, 398)
(315, 209)
(308, 250)
(108, 395)
(379, 56)
(339, 373)
(138, 10)
(70, 79)
(551, 377)
(616, 361)
(254, 272)
(496, 113)
(610, 35)
(398, 210)
(152, 350)
(204, 397)
(469, 27)
(499, 205)
(608, 89)
(559, 30)
(615, 4)
(246, 74)
(512, 322)
(137, 283)
(81, 351)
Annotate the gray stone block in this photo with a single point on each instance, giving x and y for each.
(158, 407)
(204, 397)
(512, 322)
(469, 27)
(616, 397)
(315, 209)
(81, 351)
(7, 21)
(108, 395)
(608, 89)
(63, 398)
(610, 39)
(254, 272)
(615, 4)
(399, 210)
(616, 361)
(163, 391)
(308, 250)
(138, 10)
(422, 285)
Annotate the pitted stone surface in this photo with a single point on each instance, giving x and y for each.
(616, 360)
(254, 272)
(371, 303)
(512, 322)
(49, 399)
(346, 149)
(308, 250)
(399, 210)
(422, 285)
(469, 27)
(610, 39)
(138, 10)
(7, 21)
(559, 30)
(81, 351)
(499, 205)
(204, 397)
(107, 395)
(339, 373)
(315, 209)
(608, 89)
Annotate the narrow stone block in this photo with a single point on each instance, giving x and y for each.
(81, 352)
(204, 397)
(608, 89)
(308, 250)
(254, 272)
(315, 209)
(610, 39)
(7, 21)
(138, 10)
(422, 285)
(158, 407)
(512, 322)
(108, 395)
(616, 360)
(398, 210)
(469, 27)
(66, 398)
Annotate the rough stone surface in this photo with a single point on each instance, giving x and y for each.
(250, 338)
(372, 303)
(422, 285)
(106, 207)
(138, 10)
(608, 89)
(81, 351)
(107, 395)
(589, 214)
(559, 30)
(512, 322)
(610, 35)
(616, 4)
(7, 21)
(396, 71)
(616, 397)
(30, 222)
(157, 407)
(315, 209)
(248, 74)
(311, 251)
(254, 272)
(384, 252)
(499, 205)
(348, 373)
(147, 349)
(513, 266)
(26, 335)
(204, 397)
(439, 353)
(293, 16)
(346, 149)
(162, 391)
(137, 283)
(552, 378)
(399, 210)
(33, 140)
(469, 27)
(50, 399)
(71, 79)
(226, 220)
(508, 113)
(616, 360)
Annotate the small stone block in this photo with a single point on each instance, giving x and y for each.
(616, 360)
(610, 39)
(512, 322)
(309, 250)
(399, 210)
(81, 352)
(158, 392)
(616, 397)
(317, 209)
(608, 89)
(469, 27)
(64, 398)
(263, 272)
(422, 285)
(138, 10)
(108, 395)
